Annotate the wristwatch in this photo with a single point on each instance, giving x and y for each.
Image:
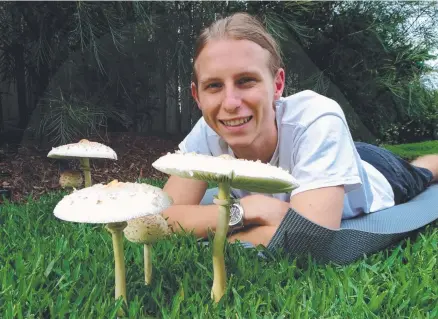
(236, 217)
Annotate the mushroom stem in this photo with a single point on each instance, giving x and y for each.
(116, 230)
(219, 272)
(85, 166)
(147, 264)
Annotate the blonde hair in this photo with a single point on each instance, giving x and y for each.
(240, 26)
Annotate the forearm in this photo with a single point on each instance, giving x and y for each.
(259, 211)
(197, 218)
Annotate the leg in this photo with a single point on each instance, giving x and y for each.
(429, 162)
(407, 179)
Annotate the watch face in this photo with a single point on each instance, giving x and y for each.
(235, 214)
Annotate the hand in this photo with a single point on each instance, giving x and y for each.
(263, 210)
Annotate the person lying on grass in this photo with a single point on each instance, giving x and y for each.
(238, 84)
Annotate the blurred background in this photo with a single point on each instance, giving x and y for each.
(119, 72)
(70, 69)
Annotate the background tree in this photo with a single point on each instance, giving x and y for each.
(82, 68)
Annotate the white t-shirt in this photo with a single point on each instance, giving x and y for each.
(315, 145)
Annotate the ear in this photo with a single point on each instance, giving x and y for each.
(279, 83)
(195, 94)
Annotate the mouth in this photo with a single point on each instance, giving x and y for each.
(238, 122)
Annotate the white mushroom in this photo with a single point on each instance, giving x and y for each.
(84, 150)
(113, 204)
(228, 172)
(147, 230)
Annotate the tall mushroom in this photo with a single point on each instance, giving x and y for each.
(84, 150)
(228, 172)
(113, 204)
(147, 230)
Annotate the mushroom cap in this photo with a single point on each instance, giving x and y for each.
(84, 148)
(112, 203)
(146, 229)
(253, 176)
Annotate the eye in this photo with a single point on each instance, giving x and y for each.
(245, 80)
(213, 85)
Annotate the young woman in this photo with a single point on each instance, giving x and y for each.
(238, 84)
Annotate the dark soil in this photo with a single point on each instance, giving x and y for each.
(27, 171)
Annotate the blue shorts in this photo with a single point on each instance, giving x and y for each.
(407, 180)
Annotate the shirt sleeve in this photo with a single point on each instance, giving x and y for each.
(196, 141)
(324, 156)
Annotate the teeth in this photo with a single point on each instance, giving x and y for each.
(236, 122)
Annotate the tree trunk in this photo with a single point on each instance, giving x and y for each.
(20, 78)
(162, 89)
(188, 38)
(1, 112)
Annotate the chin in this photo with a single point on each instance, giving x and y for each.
(239, 142)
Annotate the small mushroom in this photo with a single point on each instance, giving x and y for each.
(70, 179)
(84, 150)
(113, 204)
(228, 172)
(147, 230)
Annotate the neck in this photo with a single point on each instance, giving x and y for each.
(262, 148)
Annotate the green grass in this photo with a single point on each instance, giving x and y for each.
(54, 269)
(411, 151)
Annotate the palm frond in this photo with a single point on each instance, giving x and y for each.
(67, 118)
(317, 82)
(285, 25)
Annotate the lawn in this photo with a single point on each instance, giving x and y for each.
(54, 269)
(411, 151)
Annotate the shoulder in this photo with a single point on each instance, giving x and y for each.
(304, 108)
(201, 127)
(201, 130)
(311, 125)
(201, 139)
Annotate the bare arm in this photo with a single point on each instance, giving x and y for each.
(186, 211)
(323, 206)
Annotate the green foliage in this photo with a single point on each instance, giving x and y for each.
(135, 58)
(52, 268)
(413, 150)
(419, 126)
(65, 120)
(378, 65)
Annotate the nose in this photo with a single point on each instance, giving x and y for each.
(232, 100)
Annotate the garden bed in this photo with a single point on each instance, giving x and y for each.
(28, 171)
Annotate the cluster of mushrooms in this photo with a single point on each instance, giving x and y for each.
(134, 209)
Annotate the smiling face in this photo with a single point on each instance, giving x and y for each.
(236, 92)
